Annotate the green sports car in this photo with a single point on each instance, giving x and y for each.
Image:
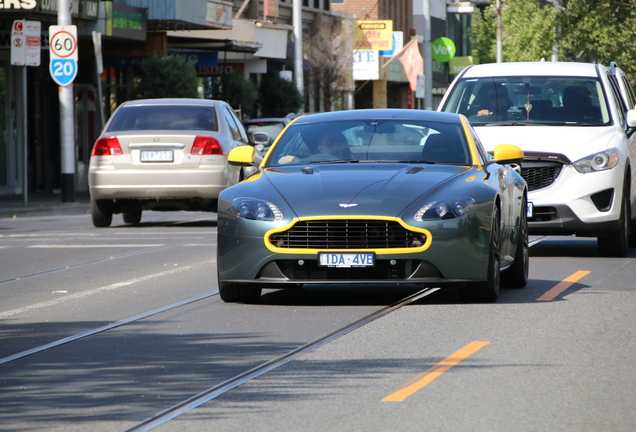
(381, 196)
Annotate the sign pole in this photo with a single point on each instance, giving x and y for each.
(63, 69)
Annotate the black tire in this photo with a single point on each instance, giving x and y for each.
(102, 213)
(516, 276)
(488, 290)
(233, 292)
(133, 217)
(616, 243)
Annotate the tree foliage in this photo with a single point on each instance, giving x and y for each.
(239, 92)
(167, 76)
(598, 31)
(278, 97)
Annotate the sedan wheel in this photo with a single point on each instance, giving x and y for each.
(133, 217)
(487, 291)
(516, 276)
(233, 292)
(102, 213)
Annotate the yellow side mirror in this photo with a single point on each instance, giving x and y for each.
(241, 156)
(507, 154)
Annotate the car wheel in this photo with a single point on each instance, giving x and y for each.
(102, 213)
(133, 217)
(516, 276)
(233, 292)
(616, 243)
(488, 290)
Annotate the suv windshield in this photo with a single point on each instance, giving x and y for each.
(559, 101)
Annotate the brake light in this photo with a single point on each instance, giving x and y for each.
(205, 145)
(107, 146)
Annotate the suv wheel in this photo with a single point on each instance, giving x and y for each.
(616, 243)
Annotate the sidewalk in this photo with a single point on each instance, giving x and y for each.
(42, 204)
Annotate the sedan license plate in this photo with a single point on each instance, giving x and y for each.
(529, 210)
(346, 259)
(156, 156)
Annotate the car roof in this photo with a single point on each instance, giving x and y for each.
(386, 113)
(267, 120)
(172, 101)
(532, 69)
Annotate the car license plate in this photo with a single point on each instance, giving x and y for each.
(156, 156)
(346, 259)
(529, 210)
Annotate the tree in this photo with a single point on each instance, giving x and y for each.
(329, 53)
(239, 92)
(599, 31)
(167, 76)
(278, 97)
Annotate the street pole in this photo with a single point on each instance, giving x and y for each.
(422, 25)
(499, 31)
(297, 21)
(67, 136)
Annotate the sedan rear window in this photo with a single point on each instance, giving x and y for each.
(155, 117)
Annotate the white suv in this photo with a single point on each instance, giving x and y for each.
(578, 139)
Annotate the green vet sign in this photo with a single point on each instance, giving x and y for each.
(443, 49)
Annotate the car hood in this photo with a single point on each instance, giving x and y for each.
(361, 189)
(574, 142)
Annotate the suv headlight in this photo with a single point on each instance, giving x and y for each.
(257, 209)
(446, 209)
(600, 161)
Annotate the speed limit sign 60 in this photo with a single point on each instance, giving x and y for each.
(63, 53)
(63, 42)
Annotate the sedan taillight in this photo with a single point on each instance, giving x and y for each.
(205, 145)
(107, 146)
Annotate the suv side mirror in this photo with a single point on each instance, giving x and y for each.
(631, 118)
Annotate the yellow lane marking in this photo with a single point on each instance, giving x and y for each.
(430, 374)
(562, 286)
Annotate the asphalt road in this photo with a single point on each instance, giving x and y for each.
(102, 329)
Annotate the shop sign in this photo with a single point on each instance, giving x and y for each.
(220, 70)
(373, 35)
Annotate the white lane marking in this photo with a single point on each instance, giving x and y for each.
(71, 246)
(87, 293)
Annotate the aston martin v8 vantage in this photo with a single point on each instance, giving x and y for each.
(378, 196)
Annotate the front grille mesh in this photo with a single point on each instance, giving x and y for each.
(540, 175)
(347, 234)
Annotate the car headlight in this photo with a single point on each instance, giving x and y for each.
(600, 161)
(257, 209)
(446, 209)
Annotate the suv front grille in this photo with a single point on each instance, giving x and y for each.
(347, 234)
(540, 174)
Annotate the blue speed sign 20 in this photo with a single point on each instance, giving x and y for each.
(63, 71)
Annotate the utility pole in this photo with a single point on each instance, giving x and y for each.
(297, 21)
(422, 24)
(499, 31)
(67, 135)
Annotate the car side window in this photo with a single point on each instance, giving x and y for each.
(240, 128)
(618, 100)
(231, 123)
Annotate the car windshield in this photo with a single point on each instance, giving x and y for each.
(394, 140)
(161, 117)
(545, 100)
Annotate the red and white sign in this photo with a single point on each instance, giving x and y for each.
(63, 42)
(25, 43)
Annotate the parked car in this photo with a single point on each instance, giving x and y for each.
(163, 155)
(271, 126)
(383, 196)
(578, 140)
